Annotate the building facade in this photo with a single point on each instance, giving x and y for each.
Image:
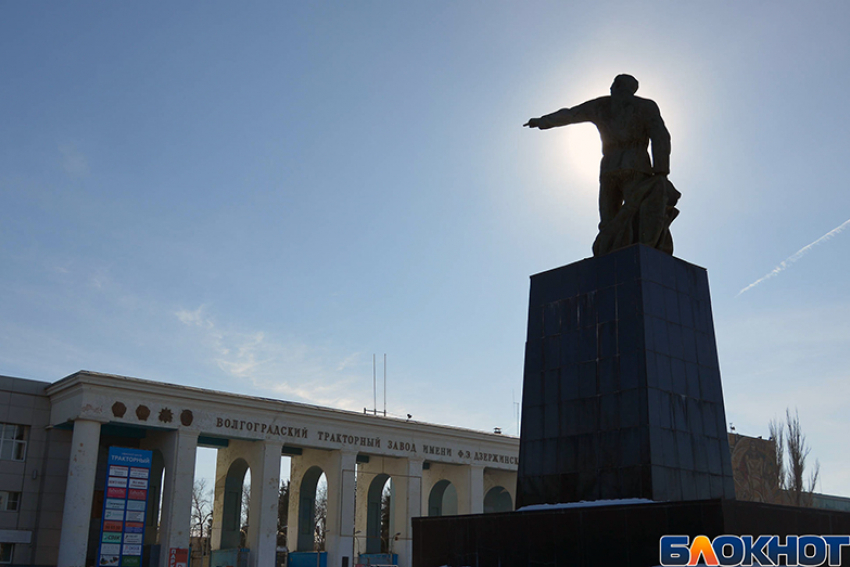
(53, 469)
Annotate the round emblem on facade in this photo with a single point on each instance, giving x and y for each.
(142, 412)
(186, 417)
(165, 415)
(119, 409)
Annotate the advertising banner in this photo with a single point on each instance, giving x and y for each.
(126, 491)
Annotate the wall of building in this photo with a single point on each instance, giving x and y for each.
(39, 479)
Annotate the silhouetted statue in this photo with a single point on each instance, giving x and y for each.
(636, 201)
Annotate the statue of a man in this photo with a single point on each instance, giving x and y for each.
(636, 201)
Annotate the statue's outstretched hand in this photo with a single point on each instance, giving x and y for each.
(533, 123)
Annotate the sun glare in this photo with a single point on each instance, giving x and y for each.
(583, 151)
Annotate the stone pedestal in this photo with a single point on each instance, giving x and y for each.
(622, 395)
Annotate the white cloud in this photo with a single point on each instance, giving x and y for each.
(277, 367)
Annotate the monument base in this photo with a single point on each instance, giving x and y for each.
(605, 536)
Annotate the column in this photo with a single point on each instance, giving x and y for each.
(178, 451)
(78, 494)
(265, 492)
(408, 492)
(476, 489)
(340, 526)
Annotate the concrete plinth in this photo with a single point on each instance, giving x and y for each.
(622, 395)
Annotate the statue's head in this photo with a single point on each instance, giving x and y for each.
(624, 85)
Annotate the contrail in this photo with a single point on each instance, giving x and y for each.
(799, 254)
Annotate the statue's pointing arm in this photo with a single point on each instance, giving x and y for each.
(660, 143)
(582, 113)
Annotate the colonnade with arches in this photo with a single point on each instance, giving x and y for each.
(371, 466)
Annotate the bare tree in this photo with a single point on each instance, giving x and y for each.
(321, 516)
(282, 512)
(244, 513)
(385, 518)
(792, 452)
(202, 509)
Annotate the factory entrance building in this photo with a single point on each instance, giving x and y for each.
(429, 469)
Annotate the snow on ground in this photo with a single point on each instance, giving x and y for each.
(585, 504)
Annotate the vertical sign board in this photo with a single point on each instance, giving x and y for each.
(122, 530)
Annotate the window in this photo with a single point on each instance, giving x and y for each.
(9, 501)
(13, 442)
(6, 552)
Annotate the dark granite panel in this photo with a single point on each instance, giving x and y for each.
(569, 383)
(551, 352)
(606, 271)
(587, 451)
(665, 372)
(609, 412)
(701, 454)
(551, 422)
(669, 448)
(569, 414)
(629, 408)
(651, 267)
(629, 301)
(684, 446)
(532, 423)
(609, 380)
(609, 449)
(714, 458)
(686, 310)
(550, 456)
(653, 299)
(551, 386)
(689, 345)
(692, 373)
(687, 480)
(680, 419)
(551, 319)
(656, 444)
(547, 288)
(632, 369)
(703, 486)
(607, 339)
(651, 369)
(586, 311)
(607, 304)
(587, 278)
(694, 415)
(569, 348)
(680, 378)
(535, 322)
(660, 335)
(671, 306)
(628, 265)
(588, 342)
(630, 447)
(587, 386)
(567, 454)
(675, 341)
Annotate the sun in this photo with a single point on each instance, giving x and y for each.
(583, 151)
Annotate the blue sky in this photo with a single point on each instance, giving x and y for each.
(257, 197)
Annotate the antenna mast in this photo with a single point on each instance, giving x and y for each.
(385, 384)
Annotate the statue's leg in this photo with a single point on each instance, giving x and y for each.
(610, 197)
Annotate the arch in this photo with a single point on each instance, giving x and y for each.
(374, 500)
(232, 510)
(307, 509)
(498, 499)
(443, 499)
